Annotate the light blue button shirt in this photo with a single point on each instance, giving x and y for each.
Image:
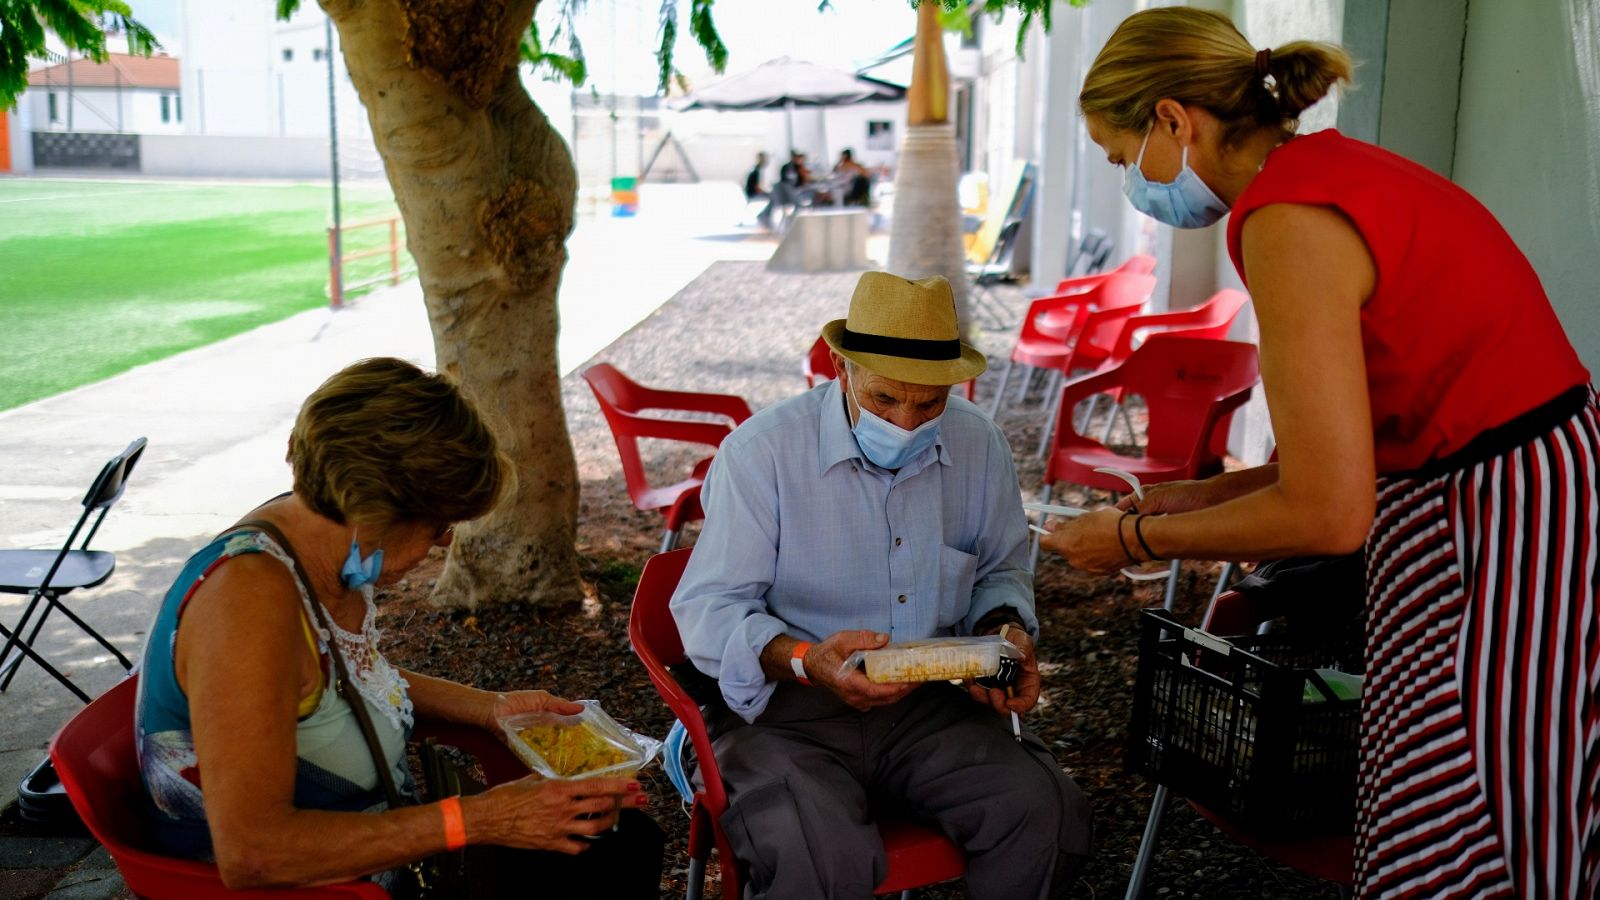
(804, 537)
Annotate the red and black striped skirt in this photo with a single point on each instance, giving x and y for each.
(1480, 773)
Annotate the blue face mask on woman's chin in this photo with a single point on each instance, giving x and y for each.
(1184, 202)
(357, 572)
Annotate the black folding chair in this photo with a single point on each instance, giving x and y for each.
(44, 575)
(995, 270)
(1093, 253)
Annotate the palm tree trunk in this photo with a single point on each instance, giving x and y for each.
(925, 233)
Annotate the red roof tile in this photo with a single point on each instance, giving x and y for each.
(118, 69)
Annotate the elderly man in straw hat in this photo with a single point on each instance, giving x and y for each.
(870, 509)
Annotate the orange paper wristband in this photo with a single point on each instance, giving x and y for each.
(455, 828)
(797, 662)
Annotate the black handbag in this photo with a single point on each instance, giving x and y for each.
(466, 873)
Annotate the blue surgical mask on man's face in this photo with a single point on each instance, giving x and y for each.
(357, 572)
(1184, 202)
(888, 445)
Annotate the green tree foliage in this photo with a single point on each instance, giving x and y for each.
(80, 24)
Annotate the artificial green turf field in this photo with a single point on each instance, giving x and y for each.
(99, 276)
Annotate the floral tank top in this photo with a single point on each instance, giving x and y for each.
(334, 768)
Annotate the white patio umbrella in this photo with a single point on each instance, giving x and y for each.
(785, 83)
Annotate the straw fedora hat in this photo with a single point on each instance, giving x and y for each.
(905, 330)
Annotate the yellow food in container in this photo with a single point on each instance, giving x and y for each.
(589, 744)
(935, 659)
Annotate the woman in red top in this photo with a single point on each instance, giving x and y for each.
(1405, 342)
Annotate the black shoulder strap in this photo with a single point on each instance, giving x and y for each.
(341, 674)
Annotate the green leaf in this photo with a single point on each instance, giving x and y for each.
(287, 8)
(953, 16)
(704, 29)
(77, 23)
(570, 66)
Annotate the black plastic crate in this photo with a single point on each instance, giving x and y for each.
(1227, 723)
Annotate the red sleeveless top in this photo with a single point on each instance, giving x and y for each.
(1458, 334)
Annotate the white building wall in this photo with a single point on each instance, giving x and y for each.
(20, 134)
(1528, 144)
(225, 66)
(131, 110)
(247, 74)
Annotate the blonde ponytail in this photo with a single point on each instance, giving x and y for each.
(1198, 58)
(1304, 72)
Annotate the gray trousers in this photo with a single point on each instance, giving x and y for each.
(805, 781)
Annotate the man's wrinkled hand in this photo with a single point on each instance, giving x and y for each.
(824, 664)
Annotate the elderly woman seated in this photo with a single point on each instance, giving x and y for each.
(251, 752)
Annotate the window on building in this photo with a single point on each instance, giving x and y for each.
(970, 37)
(316, 54)
(54, 115)
(177, 107)
(880, 135)
(166, 108)
(288, 54)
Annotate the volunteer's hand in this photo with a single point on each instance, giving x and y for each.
(1171, 497)
(1089, 542)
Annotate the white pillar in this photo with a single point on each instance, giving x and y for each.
(1055, 233)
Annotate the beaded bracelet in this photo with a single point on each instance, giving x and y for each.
(1138, 532)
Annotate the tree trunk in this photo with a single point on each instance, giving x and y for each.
(925, 233)
(487, 190)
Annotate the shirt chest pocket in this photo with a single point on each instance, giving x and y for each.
(957, 571)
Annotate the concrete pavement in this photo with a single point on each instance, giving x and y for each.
(218, 418)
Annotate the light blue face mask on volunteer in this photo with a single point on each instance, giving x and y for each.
(888, 445)
(1184, 202)
(357, 572)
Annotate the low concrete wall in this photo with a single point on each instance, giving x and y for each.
(234, 156)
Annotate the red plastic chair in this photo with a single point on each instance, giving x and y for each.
(918, 855)
(1211, 320)
(1327, 856)
(818, 366)
(1190, 386)
(95, 759)
(1055, 323)
(623, 401)
(1034, 347)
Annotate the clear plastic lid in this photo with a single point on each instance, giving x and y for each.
(589, 744)
(936, 659)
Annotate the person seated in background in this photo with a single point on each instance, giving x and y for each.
(239, 678)
(752, 182)
(854, 180)
(754, 192)
(794, 172)
(872, 508)
(795, 186)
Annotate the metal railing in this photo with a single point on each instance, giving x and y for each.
(338, 288)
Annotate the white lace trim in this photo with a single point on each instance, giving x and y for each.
(379, 683)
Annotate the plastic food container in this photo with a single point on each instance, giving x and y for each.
(940, 659)
(589, 744)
